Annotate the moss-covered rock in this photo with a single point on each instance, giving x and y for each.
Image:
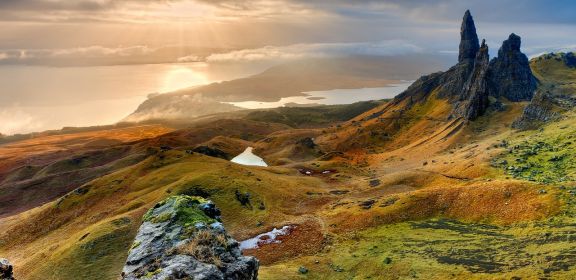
(182, 237)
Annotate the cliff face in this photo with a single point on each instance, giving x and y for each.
(541, 110)
(555, 94)
(510, 74)
(182, 238)
(468, 84)
(475, 95)
(469, 44)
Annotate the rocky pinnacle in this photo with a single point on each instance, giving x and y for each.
(476, 91)
(469, 44)
(510, 73)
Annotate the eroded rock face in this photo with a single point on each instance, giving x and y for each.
(474, 81)
(540, 110)
(476, 91)
(6, 270)
(182, 238)
(469, 43)
(510, 73)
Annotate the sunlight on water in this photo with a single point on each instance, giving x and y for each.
(76, 96)
(329, 97)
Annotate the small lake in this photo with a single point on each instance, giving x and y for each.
(330, 97)
(249, 158)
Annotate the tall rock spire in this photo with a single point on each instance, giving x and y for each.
(469, 44)
(474, 100)
(510, 73)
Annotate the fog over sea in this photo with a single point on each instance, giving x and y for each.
(38, 98)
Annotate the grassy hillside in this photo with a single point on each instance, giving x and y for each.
(316, 116)
(391, 193)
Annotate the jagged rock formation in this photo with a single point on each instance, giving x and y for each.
(6, 270)
(555, 94)
(182, 238)
(540, 110)
(476, 89)
(475, 80)
(510, 74)
(469, 44)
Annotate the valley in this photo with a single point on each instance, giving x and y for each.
(444, 181)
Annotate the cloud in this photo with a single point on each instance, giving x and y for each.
(99, 51)
(118, 11)
(559, 11)
(297, 51)
(190, 58)
(538, 51)
(57, 56)
(15, 120)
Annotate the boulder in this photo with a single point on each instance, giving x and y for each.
(6, 270)
(307, 142)
(182, 238)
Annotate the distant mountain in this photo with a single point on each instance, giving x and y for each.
(446, 100)
(555, 97)
(285, 80)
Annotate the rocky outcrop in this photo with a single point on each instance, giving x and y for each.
(476, 92)
(510, 74)
(540, 110)
(182, 238)
(6, 270)
(469, 44)
(211, 152)
(569, 60)
(475, 83)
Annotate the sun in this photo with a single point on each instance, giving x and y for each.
(180, 76)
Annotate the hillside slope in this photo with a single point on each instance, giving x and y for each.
(435, 184)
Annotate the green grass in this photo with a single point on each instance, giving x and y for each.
(97, 256)
(441, 249)
(543, 156)
(316, 116)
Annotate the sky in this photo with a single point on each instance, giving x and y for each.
(108, 32)
(63, 60)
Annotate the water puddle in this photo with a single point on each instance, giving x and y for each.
(249, 158)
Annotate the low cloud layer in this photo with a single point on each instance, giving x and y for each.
(98, 55)
(16, 120)
(384, 48)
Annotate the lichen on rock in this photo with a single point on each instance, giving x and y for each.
(182, 237)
